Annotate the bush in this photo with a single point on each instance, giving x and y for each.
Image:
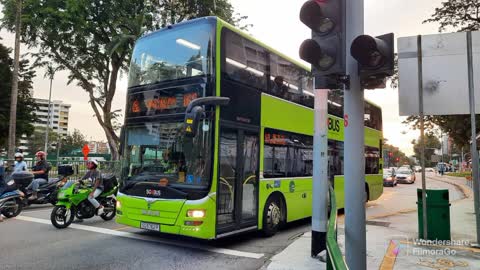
(467, 175)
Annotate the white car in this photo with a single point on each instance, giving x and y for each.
(404, 175)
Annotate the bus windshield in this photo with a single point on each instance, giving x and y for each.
(180, 52)
(160, 152)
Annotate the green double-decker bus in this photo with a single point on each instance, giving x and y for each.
(218, 135)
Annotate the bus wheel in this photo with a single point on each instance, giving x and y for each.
(272, 216)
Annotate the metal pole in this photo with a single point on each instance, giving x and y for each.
(355, 230)
(461, 166)
(320, 173)
(48, 115)
(12, 129)
(422, 136)
(441, 138)
(471, 90)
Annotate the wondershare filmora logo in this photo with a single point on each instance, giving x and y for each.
(420, 247)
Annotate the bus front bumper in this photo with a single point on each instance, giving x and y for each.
(203, 228)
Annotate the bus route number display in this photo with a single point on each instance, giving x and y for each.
(140, 105)
(278, 139)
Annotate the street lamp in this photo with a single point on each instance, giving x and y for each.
(50, 73)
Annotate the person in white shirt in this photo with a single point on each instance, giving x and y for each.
(20, 164)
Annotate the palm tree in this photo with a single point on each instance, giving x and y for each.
(14, 96)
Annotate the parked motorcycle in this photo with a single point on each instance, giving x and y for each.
(73, 202)
(48, 192)
(10, 197)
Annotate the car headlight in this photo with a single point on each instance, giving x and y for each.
(196, 213)
(119, 205)
(11, 182)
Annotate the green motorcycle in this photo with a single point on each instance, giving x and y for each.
(73, 202)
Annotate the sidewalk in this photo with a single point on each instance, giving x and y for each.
(399, 234)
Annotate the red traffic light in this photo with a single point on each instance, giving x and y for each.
(398, 159)
(390, 154)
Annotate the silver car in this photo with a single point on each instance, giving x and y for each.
(405, 176)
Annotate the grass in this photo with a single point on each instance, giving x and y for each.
(461, 174)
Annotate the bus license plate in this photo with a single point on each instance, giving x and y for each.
(150, 226)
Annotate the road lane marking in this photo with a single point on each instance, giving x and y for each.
(390, 257)
(148, 239)
(37, 211)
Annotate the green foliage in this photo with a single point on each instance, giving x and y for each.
(396, 154)
(460, 174)
(461, 15)
(36, 142)
(25, 106)
(431, 144)
(72, 143)
(457, 127)
(93, 40)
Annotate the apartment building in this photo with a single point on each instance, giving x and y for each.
(58, 118)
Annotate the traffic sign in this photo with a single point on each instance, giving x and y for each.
(85, 151)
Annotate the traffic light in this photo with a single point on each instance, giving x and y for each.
(390, 154)
(325, 51)
(376, 57)
(397, 159)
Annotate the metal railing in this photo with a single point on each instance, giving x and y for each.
(335, 258)
(469, 183)
(79, 167)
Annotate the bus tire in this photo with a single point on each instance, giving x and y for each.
(273, 215)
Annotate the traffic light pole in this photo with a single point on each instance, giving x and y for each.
(355, 189)
(320, 173)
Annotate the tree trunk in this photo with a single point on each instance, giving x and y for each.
(14, 96)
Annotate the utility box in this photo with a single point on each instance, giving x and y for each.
(438, 214)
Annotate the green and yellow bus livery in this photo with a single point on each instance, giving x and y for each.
(221, 169)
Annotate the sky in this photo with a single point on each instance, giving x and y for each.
(276, 23)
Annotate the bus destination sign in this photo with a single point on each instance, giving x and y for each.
(143, 105)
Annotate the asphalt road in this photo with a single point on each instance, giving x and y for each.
(31, 242)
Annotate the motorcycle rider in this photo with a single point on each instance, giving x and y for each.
(40, 173)
(20, 164)
(96, 177)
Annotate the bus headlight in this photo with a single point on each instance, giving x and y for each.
(196, 213)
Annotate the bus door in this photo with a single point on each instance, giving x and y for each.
(237, 189)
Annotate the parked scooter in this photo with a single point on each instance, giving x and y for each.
(10, 197)
(73, 202)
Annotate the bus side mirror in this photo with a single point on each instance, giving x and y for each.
(122, 141)
(195, 112)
